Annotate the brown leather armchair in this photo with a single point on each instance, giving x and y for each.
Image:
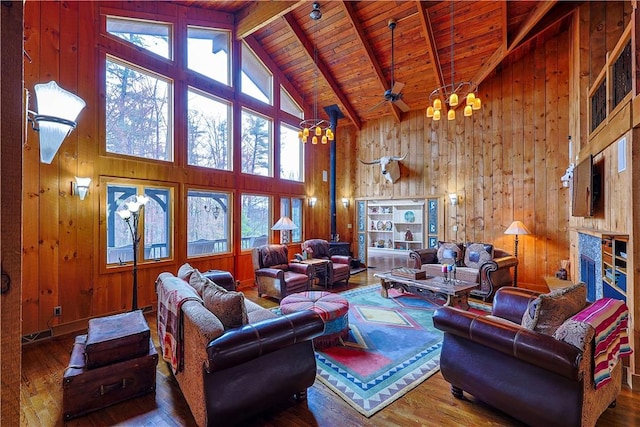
(275, 275)
(339, 267)
(531, 376)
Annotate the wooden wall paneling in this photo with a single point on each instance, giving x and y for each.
(539, 229)
(87, 251)
(31, 185)
(615, 22)
(70, 206)
(551, 111)
(471, 175)
(561, 151)
(518, 154)
(11, 211)
(597, 38)
(497, 127)
(507, 160)
(488, 100)
(527, 113)
(49, 252)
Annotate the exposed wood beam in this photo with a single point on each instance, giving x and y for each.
(432, 49)
(534, 17)
(362, 40)
(324, 70)
(259, 14)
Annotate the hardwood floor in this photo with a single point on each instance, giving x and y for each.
(429, 404)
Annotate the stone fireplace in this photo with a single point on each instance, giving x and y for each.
(590, 271)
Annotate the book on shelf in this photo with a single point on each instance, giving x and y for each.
(409, 273)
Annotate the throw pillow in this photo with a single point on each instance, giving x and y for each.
(227, 306)
(449, 253)
(546, 313)
(477, 254)
(184, 272)
(578, 334)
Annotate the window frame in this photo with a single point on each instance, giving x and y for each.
(228, 226)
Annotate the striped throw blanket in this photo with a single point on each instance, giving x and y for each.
(172, 293)
(609, 318)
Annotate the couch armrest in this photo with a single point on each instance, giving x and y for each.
(510, 303)
(422, 256)
(513, 340)
(248, 342)
(273, 273)
(301, 268)
(341, 259)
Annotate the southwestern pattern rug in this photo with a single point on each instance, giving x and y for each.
(392, 347)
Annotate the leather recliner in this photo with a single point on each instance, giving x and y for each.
(339, 267)
(275, 275)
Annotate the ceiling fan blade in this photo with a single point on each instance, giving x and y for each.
(397, 88)
(377, 105)
(402, 105)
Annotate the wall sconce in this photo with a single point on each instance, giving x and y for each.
(57, 112)
(345, 202)
(312, 201)
(454, 199)
(80, 187)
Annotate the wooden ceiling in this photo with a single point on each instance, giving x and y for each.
(353, 42)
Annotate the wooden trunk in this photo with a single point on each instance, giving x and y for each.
(112, 339)
(85, 390)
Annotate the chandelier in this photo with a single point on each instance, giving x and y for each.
(449, 94)
(315, 128)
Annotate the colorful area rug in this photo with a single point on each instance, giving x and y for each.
(392, 348)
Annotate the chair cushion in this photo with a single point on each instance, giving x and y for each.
(547, 312)
(274, 256)
(449, 253)
(477, 254)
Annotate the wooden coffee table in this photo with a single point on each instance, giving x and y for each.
(456, 292)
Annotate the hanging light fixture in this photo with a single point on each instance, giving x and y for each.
(449, 94)
(316, 128)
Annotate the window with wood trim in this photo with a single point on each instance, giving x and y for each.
(209, 222)
(256, 220)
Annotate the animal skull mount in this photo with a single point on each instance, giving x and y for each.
(389, 165)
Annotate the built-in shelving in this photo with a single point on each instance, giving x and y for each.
(614, 266)
(395, 225)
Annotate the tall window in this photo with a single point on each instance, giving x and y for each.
(255, 220)
(256, 144)
(257, 80)
(292, 207)
(291, 154)
(208, 123)
(138, 112)
(208, 223)
(152, 36)
(154, 227)
(208, 53)
(288, 105)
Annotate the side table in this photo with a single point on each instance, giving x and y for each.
(320, 267)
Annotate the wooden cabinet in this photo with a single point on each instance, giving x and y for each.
(395, 225)
(614, 266)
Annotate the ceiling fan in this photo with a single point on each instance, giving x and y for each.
(393, 95)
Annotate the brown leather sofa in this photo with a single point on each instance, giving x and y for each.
(475, 262)
(339, 268)
(275, 275)
(230, 375)
(531, 376)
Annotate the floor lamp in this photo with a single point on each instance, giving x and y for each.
(516, 228)
(284, 225)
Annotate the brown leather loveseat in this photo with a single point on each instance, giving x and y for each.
(532, 376)
(230, 373)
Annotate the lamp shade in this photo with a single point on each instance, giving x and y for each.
(284, 223)
(58, 110)
(517, 228)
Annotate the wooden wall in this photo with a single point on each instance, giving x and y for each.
(11, 138)
(505, 162)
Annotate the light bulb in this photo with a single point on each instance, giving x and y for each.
(305, 132)
(300, 134)
(436, 115)
(477, 104)
(318, 131)
(468, 111)
(314, 140)
(451, 114)
(471, 97)
(304, 139)
(430, 111)
(437, 104)
(453, 100)
(324, 139)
